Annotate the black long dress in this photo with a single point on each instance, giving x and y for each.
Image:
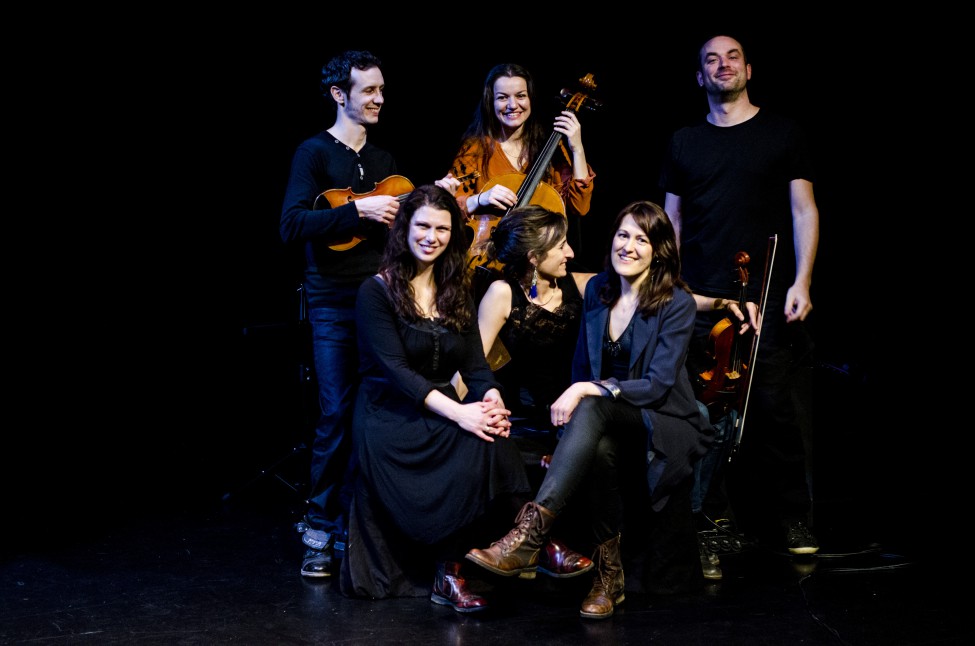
(425, 485)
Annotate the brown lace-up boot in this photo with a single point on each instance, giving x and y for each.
(607, 584)
(517, 552)
(450, 589)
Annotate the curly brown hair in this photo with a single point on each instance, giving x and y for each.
(455, 301)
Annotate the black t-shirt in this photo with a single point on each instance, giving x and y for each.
(734, 188)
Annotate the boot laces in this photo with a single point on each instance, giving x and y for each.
(520, 531)
(600, 581)
(604, 576)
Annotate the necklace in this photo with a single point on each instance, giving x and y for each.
(532, 301)
(515, 160)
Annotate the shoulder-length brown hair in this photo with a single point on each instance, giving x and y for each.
(658, 289)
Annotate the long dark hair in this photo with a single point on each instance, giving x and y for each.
(658, 289)
(523, 230)
(485, 128)
(451, 276)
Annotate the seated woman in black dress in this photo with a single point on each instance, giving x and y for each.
(531, 318)
(534, 311)
(433, 467)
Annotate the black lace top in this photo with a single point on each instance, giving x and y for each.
(616, 354)
(541, 345)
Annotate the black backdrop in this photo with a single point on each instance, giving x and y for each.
(186, 380)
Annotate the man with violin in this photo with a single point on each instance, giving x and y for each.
(342, 238)
(739, 187)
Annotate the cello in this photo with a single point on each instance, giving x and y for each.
(529, 188)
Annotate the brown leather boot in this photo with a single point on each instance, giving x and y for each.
(517, 552)
(607, 584)
(450, 589)
(562, 562)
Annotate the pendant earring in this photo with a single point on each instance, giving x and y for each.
(533, 292)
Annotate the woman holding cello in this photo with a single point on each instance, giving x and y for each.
(505, 145)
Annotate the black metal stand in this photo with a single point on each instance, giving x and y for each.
(276, 471)
(273, 470)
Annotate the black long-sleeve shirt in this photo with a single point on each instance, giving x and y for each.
(320, 163)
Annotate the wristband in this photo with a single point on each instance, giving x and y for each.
(718, 305)
(610, 387)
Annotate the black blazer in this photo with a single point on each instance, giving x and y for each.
(677, 431)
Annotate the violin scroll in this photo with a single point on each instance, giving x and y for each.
(720, 387)
(741, 261)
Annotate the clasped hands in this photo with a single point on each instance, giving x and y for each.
(486, 418)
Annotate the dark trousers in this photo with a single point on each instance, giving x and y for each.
(766, 481)
(600, 465)
(333, 464)
(587, 455)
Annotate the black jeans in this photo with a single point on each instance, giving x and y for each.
(602, 451)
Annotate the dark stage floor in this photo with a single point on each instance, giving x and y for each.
(227, 572)
(184, 534)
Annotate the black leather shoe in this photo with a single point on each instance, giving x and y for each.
(319, 551)
(450, 589)
(558, 560)
(317, 563)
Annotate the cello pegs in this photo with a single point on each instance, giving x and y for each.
(587, 81)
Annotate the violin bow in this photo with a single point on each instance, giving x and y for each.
(753, 353)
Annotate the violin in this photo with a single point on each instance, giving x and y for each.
(394, 185)
(720, 386)
(724, 389)
(529, 187)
